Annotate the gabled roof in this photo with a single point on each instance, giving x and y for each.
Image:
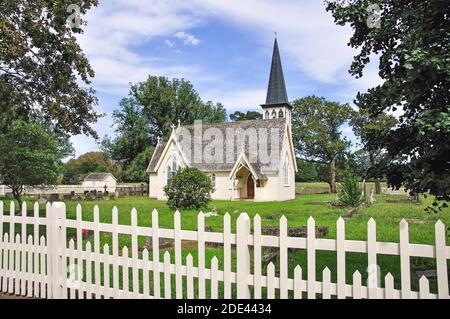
(276, 90)
(225, 166)
(98, 177)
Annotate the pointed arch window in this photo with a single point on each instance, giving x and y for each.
(172, 167)
(266, 116)
(274, 114)
(280, 114)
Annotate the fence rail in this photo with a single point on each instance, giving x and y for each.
(46, 265)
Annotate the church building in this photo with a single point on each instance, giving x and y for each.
(246, 160)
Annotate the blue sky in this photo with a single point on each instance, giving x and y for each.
(223, 47)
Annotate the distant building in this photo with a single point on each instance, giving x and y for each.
(98, 181)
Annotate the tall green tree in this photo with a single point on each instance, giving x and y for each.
(411, 40)
(249, 115)
(368, 128)
(148, 113)
(42, 67)
(30, 155)
(316, 125)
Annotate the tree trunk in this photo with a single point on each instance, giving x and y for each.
(333, 187)
(376, 179)
(17, 196)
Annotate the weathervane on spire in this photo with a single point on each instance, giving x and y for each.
(275, 34)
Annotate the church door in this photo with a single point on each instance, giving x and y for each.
(250, 187)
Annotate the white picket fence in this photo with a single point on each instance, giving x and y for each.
(46, 267)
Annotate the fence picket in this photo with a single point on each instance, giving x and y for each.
(311, 247)
(298, 282)
(115, 251)
(49, 218)
(2, 246)
(35, 254)
(79, 264)
(145, 274)
(270, 281)
(372, 266)
(242, 256)
(389, 286)
(22, 248)
(189, 277)
(17, 275)
(125, 274)
(214, 279)
(441, 260)
(155, 248)
(227, 255)
(11, 247)
(201, 255)
(424, 288)
(88, 271)
(167, 276)
(97, 279)
(44, 273)
(356, 285)
(326, 282)
(340, 254)
(177, 243)
(29, 257)
(134, 253)
(404, 260)
(283, 258)
(106, 265)
(73, 275)
(257, 257)
(5, 268)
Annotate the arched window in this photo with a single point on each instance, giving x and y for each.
(280, 114)
(274, 114)
(213, 180)
(174, 163)
(172, 167)
(267, 115)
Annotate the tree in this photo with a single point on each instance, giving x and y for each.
(368, 127)
(316, 125)
(350, 191)
(148, 113)
(250, 115)
(42, 68)
(306, 171)
(188, 189)
(411, 41)
(77, 169)
(30, 155)
(136, 171)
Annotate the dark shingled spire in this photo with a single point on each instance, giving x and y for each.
(276, 92)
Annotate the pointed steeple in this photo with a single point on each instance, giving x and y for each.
(276, 91)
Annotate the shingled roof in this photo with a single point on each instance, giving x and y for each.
(98, 176)
(258, 166)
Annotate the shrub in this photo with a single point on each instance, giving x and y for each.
(350, 191)
(188, 189)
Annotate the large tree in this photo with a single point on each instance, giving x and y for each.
(368, 128)
(411, 40)
(316, 127)
(42, 68)
(148, 113)
(30, 155)
(77, 169)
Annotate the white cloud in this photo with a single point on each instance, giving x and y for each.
(237, 100)
(188, 39)
(169, 43)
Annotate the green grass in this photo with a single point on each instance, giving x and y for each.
(387, 215)
(322, 187)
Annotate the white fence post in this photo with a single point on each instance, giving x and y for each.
(242, 256)
(57, 211)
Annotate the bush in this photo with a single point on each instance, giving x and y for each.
(350, 191)
(188, 189)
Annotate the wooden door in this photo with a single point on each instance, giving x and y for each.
(250, 187)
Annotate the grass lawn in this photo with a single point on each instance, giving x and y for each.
(322, 187)
(387, 215)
